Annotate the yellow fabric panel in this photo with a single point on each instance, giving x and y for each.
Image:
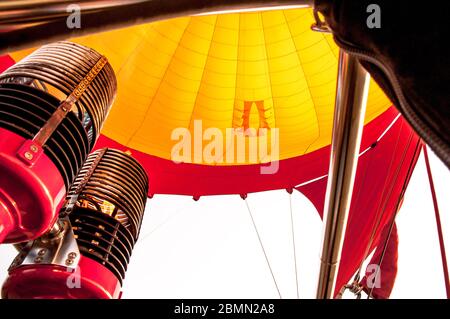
(218, 68)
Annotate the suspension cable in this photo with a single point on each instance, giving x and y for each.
(438, 222)
(262, 247)
(382, 205)
(397, 209)
(293, 244)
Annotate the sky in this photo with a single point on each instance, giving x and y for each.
(210, 249)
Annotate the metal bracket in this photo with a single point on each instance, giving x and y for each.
(31, 150)
(355, 287)
(319, 25)
(323, 28)
(57, 247)
(73, 196)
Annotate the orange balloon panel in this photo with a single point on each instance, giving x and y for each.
(232, 71)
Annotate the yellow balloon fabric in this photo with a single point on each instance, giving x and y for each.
(253, 69)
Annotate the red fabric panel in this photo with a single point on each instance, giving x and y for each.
(167, 177)
(388, 268)
(5, 62)
(380, 177)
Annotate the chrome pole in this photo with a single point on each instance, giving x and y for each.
(350, 106)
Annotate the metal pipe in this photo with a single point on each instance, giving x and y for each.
(28, 23)
(350, 106)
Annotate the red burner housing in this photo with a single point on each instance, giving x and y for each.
(91, 280)
(31, 194)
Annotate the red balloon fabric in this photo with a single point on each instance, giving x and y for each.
(382, 176)
(382, 270)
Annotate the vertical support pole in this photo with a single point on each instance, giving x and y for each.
(350, 106)
(438, 222)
